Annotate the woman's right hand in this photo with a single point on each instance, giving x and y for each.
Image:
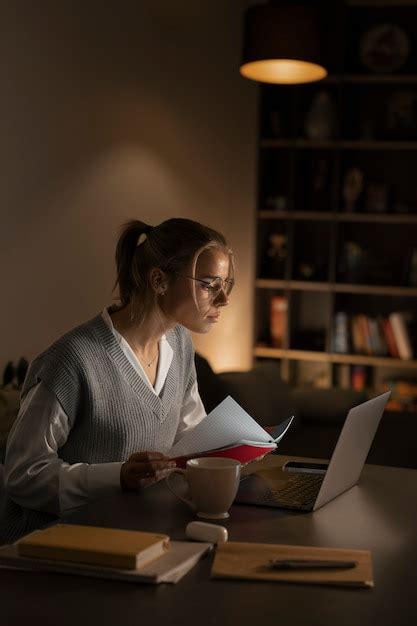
(144, 468)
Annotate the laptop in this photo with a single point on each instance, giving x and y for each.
(309, 492)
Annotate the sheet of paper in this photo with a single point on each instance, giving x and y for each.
(282, 429)
(227, 424)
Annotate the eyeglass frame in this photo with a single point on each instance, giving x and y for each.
(213, 296)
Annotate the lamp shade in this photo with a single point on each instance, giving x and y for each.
(282, 43)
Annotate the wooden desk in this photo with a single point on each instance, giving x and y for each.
(379, 514)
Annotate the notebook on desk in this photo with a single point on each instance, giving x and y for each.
(308, 492)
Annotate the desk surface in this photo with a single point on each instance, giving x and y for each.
(379, 514)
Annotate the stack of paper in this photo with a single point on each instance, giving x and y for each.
(104, 553)
(170, 568)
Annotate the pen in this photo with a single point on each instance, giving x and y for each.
(310, 564)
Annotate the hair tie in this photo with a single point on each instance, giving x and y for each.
(148, 230)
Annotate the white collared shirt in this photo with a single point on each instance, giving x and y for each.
(34, 474)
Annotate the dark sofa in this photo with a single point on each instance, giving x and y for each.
(319, 413)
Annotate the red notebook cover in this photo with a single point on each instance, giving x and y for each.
(244, 452)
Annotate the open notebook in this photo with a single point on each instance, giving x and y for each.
(228, 431)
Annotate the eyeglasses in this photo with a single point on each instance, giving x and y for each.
(215, 286)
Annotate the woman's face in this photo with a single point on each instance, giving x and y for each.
(200, 312)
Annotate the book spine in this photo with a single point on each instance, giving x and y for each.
(357, 339)
(399, 328)
(278, 320)
(341, 339)
(343, 376)
(379, 331)
(122, 561)
(390, 339)
(358, 377)
(366, 335)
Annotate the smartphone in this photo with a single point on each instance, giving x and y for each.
(303, 467)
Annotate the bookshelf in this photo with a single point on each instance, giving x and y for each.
(337, 210)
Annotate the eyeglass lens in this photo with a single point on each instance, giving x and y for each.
(218, 284)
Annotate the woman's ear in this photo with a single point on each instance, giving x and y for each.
(159, 281)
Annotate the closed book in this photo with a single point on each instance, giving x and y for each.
(358, 339)
(110, 547)
(380, 336)
(343, 376)
(278, 320)
(365, 333)
(402, 338)
(390, 339)
(341, 338)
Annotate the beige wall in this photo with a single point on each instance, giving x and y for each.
(131, 109)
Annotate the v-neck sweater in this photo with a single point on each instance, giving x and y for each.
(116, 412)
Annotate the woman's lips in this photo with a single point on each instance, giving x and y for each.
(213, 318)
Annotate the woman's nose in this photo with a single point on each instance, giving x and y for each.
(221, 299)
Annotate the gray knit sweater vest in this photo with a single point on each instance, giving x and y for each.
(113, 411)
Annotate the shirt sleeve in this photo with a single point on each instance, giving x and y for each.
(35, 476)
(192, 411)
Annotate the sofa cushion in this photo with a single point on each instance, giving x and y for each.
(325, 405)
(261, 392)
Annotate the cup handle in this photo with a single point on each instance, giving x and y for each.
(172, 489)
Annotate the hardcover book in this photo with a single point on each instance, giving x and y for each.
(278, 320)
(398, 322)
(390, 339)
(111, 547)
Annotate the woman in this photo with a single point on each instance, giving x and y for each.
(102, 406)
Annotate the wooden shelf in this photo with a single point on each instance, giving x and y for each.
(371, 79)
(308, 174)
(338, 144)
(305, 285)
(330, 216)
(332, 357)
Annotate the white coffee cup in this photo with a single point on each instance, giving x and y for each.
(213, 483)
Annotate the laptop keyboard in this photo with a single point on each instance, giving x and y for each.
(298, 492)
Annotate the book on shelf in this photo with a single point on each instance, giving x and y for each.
(252, 561)
(109, 547)
(365, 334)
(399, 323)
(358, 377)
(278, 320)
(168, 568)
(390, 341)
(358, 340)
(343, 376)
(377, 336)
(228, 431)
(371, 336)
(341, 333)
